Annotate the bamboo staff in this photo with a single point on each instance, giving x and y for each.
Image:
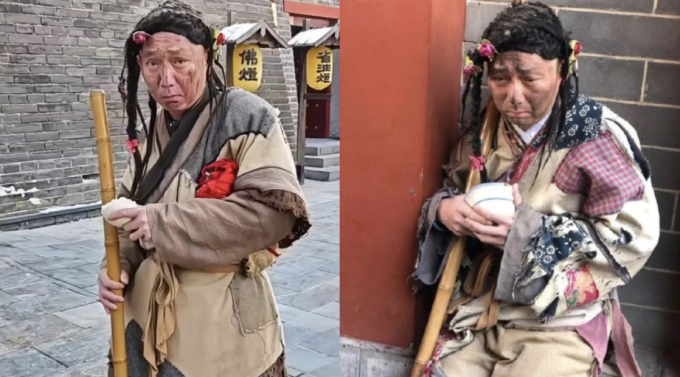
(448, 280)
(108, 192)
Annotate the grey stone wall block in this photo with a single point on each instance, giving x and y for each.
(666, 176)
(95, 61)
(92, 42)
(55, 3)
(24, 128)
(75, 13)
(19, 109)
(43, 136)
(11, 158)
(56, 21)
(624, 35)
(25, 39)
(116, 8)
(56, 107)
(31, 79)
(14, 68)
(77, 4)
(109, 52)
(54, 88)
(60, 41)
(20, 29)
(35, 98)
(104, 16)
(64, 79)
(63, 60)
(78, 134)
(38, 10)
(22, 19)
(119, 26)
(478, 17)
(42, 30)
(665, 254)
(16, 99)
(90, 24)
(45, 50)
(81, 71)
(10, 8)
(655, 125)
(6, 119)
(92, 33)
(663, 81)
(13, 49)
(28, 59)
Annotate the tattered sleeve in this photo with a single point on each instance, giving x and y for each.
(212, 232)
(266, 209)
(434, 239)
(566, 261)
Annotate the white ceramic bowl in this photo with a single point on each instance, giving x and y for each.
(495, 197)
(115, 205)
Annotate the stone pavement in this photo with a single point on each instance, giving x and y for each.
(52, 325)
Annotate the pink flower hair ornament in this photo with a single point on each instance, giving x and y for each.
(132, 145)
(486, 49)
(477, 162)
(140, 37)
(470, 69)
(576, 49)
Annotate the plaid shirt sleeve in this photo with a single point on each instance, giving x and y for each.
(600, 171)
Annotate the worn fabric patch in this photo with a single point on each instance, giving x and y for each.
(583, 122)
(601, 172)
(562, 245)
(254, 303)
(558, 238)
(239, 113)
(581, 288)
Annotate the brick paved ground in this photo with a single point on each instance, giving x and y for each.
(52, 325)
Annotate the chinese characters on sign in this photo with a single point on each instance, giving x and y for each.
(319, 68)
(247, 63)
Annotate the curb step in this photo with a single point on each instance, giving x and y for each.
(324, 161)
(321, 147)
(328, 174)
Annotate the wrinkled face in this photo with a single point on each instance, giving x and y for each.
(524, 86)
(174, 70)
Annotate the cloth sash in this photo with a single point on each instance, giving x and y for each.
(160, 321)
(477, 285)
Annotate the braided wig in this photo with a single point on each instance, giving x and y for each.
(175, 17)
(531, 28)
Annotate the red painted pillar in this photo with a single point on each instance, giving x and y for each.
(400, 80)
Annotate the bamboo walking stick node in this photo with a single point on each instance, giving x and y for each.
(447, 282)
(108, 193)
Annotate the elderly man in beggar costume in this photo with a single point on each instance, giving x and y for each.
(536, 293)
(218, 200)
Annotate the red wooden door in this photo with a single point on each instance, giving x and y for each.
(318, 110)
(318, 116)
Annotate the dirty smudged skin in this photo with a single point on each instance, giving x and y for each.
(172, 67)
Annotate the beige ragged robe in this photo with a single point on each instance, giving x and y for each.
(191, 308)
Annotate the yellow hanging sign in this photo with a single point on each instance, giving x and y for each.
(319, 68)
(247, 63)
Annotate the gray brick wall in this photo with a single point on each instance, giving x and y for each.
(53, 52)
(631, 63)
